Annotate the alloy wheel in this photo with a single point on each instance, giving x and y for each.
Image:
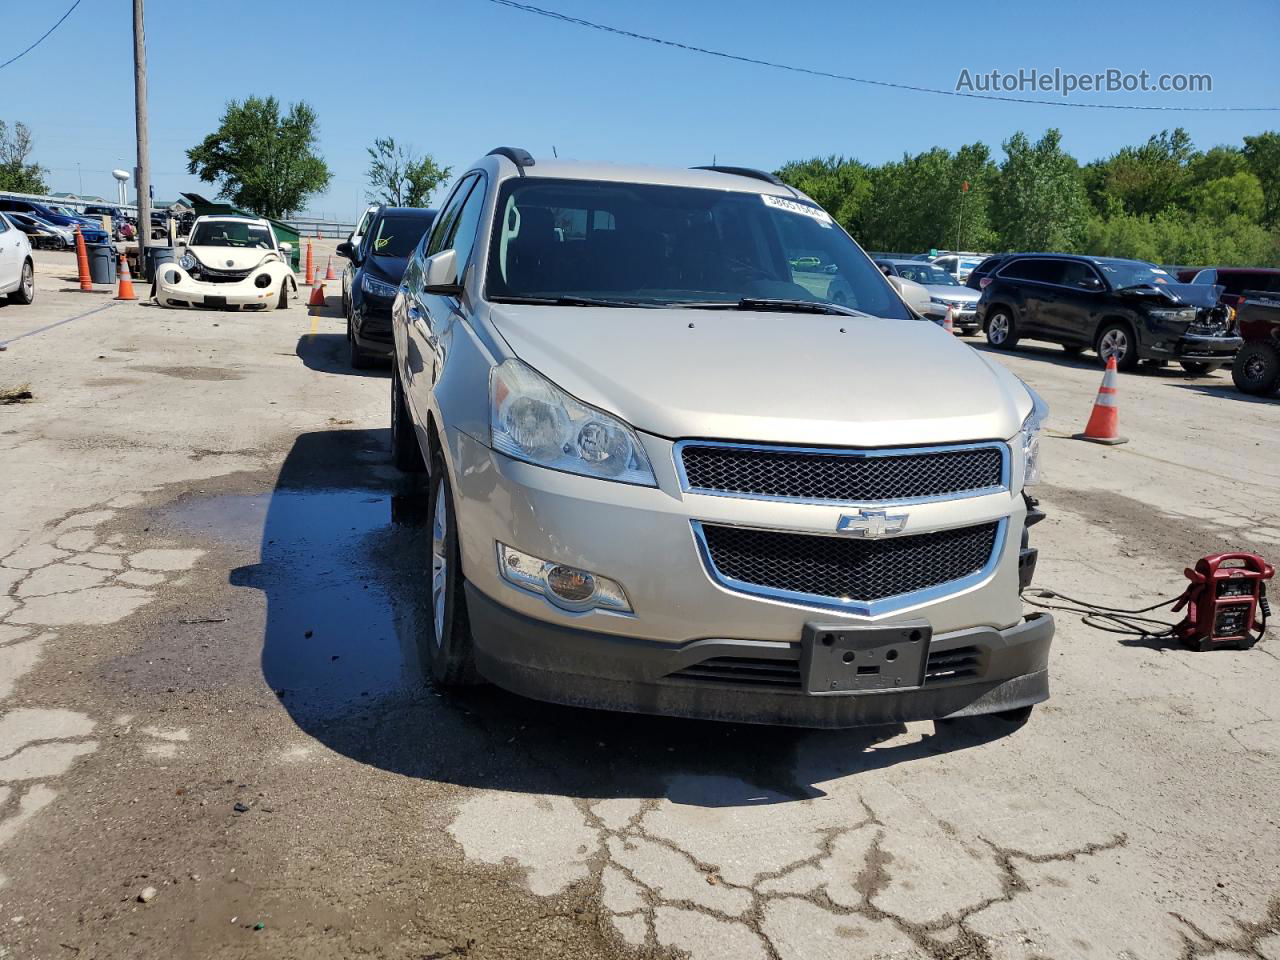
(998, 329)
(1255, 368)
(1114, 343)
(439, 560)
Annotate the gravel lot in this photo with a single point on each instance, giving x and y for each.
(209, 687)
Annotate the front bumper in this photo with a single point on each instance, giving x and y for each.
(371, 325)
(643, 538)
(1195, 347)
(562, 664)
(177, 288)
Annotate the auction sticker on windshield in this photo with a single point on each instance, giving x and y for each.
(791, 206)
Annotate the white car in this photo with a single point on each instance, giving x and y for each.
(229, 261)
(17, 269)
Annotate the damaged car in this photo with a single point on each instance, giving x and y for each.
(1127, 309)
(230, 262)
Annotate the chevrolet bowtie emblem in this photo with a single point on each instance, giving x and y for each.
(871, 524)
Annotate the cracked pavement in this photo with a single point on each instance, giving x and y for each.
(209, 686)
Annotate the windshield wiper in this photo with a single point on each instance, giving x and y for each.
(765, 305)
(573, 302)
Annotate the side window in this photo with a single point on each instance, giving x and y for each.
(463, 236)
(1206, 276)
(1077, 274)
(1018, 270)
(445, 221)
(1042, 271)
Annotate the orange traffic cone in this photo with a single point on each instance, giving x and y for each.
(311, 266)
(949, 323)
(82, 262)
(1104, 422)
(317, 296)
(125, 290)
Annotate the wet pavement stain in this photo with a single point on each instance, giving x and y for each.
(331, 644)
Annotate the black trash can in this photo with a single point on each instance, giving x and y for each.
(102, 262)
(157, 256)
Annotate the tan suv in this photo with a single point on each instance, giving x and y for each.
(669, 473)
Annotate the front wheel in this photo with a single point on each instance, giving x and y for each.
(1117, 340)
(26, 292)
(1257, 369)
(358, 358)
(1002, 331)
(445, 645)
(1199, 368)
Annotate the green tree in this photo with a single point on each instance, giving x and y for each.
(16, 173)
(260, 159)
(1262, 154)
(399, 178)
(1239, 195)
(1145, 179)
(1038, 201)
(840, 186)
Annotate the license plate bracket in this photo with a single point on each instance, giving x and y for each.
(216, 301)
(842, 659)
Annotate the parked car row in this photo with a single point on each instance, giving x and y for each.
(17, 269)
(39, 217)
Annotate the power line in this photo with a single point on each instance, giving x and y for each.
(42, 38)
(576, 21)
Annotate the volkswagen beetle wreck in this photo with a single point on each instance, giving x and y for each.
(230, 262)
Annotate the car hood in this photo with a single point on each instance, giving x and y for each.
(231, 258)
(390, 269)
(770, 377)
(948, 292)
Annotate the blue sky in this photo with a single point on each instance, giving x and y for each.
(457, 77)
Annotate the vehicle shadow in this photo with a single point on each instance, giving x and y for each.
(327, 353)
(1225, 391)
(343, 570)
(1052, 353)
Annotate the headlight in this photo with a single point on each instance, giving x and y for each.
(189, 263)
(937, 300)
(262, 280)
(377, 288)
(532, 419)
(1029, 438)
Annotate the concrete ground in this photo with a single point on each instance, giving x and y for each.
(210, 702)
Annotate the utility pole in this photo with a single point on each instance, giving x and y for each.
(140, 119)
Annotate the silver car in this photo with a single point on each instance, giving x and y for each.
(667, 473)
(944, 291)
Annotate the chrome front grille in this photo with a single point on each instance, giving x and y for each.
(842, 476)
(858, 575)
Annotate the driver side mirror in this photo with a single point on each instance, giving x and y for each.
(344, 249)
(1091, 283)
(440, 275)
(286, 247)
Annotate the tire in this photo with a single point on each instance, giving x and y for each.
(1116, 338)
(358, 358)
(283, 302)
(1256, 369)
(405, 452)
(1001, 329)
(444, 644)
(1199, 368)
(26, 292)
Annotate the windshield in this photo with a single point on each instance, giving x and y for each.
(927, 273)
(231, 233)
(1132, 273)
(397, 235)
(658, 244)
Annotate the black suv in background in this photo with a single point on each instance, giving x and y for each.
(377, 265)
(1128, 309)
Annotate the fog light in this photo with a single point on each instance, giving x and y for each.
(565, 586)
(262, 280)
(570, 584)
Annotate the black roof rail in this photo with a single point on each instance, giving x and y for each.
(745, 172)
(520, 157)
